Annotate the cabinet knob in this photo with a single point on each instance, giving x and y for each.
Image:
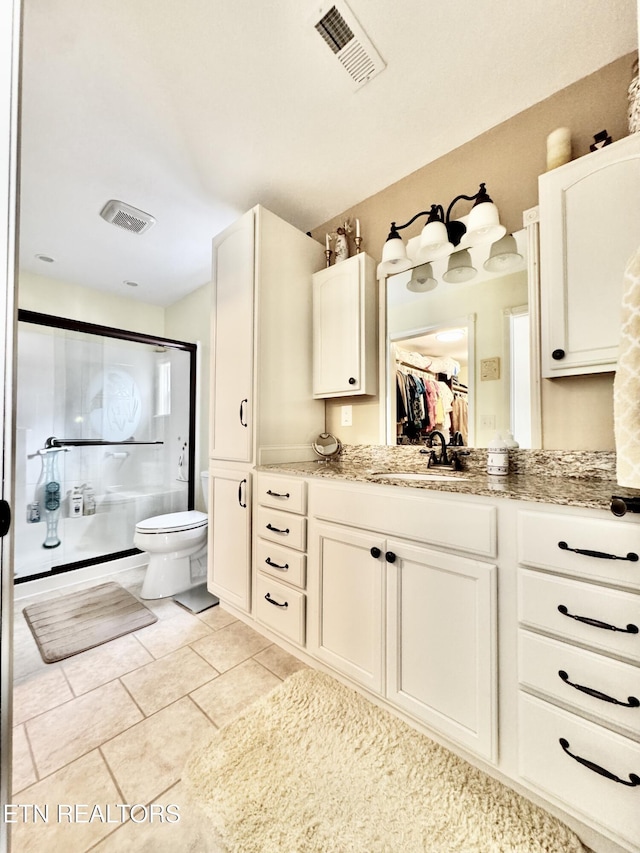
(558, 354)
(390, 557)
(352, 380)
(375, 552)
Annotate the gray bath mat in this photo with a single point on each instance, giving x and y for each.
(79, 621)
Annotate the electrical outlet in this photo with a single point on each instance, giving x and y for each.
(488, 422)
(346, 416)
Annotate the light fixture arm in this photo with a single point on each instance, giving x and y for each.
(480, 197)
(428, 213)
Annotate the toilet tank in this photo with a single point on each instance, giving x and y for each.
(204, 482)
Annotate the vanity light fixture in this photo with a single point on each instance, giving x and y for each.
(422, 279)
(460, 268)
(504, 255)
(441, 235)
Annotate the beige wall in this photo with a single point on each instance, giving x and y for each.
(62, 299)
(577, 412)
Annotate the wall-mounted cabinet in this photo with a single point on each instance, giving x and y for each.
(344, 329)
(589, 228)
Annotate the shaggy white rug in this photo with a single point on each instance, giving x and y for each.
(313, 767)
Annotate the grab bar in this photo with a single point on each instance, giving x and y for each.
(52, 441)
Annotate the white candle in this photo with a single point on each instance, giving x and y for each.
(357, 227)
(327, 242)
(558, 147)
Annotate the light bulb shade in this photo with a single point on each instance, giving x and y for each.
(394, 249)
(422, 279)
(460, 268)
(483, 224)
(434, 236)
(504, 255)
(393, 266)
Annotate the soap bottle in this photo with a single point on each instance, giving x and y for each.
(89, 502)
(498, 456)
(75, 502)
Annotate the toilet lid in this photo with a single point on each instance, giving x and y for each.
(173, 522)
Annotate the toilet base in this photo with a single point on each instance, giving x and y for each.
(166, 575)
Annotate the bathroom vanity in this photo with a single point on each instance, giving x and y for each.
(499, 616)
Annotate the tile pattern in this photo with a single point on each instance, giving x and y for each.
(114, 726)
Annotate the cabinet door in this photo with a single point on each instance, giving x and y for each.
(229, 549)
(232, 342)
(441, 643)
(346, 616)
(589, 227)
(344, 329)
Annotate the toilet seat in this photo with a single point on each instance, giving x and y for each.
(173, 522)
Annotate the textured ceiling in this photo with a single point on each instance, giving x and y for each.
(196, 110)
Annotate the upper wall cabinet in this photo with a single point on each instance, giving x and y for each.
(589, 228)
(344, 328)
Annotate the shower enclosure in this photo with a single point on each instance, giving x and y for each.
(105, 437)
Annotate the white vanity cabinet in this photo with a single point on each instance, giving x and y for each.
(589, 227)
(262, 406)
(407, 620)
(344, 329)
(579, 664)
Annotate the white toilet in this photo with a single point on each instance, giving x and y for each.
(170, 541)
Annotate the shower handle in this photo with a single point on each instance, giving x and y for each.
(5, 518)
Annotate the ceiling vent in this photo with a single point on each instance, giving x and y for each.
(127, 217)
(346, 38)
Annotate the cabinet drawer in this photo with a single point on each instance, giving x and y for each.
(541, 595)
(282, 527)
(286, 493)
(544, 762)
(410, 513)
(588, 681)
(282, 563)
(280, 608)
(540, 533)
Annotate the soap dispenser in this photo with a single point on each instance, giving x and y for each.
(75, 502)
(498, 456)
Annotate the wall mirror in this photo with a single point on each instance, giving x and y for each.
(463, 337)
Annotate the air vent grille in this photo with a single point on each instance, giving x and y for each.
(348, 41)
(127, 217)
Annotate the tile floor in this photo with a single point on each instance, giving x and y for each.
(116, 724)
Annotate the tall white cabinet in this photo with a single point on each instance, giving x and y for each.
(262, 407)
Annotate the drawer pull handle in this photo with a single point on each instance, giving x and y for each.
(276, 603)
(634, 780)
(631, 702)
(631, 556)
(242, 412)
(270, 562)
(277, 529)
(278, 495)
(630, 629)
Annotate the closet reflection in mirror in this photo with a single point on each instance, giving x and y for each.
(457, 353)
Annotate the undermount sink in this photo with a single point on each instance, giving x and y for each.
(429, 478)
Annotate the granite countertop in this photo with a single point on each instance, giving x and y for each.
(567, 478)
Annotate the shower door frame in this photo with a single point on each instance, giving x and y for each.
(68, 324)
